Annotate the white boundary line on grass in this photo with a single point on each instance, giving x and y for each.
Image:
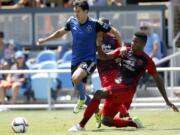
(70, 106)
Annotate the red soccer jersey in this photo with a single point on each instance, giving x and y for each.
(133, 66)
(108, 70)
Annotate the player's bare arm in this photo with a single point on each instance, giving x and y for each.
(57, 34)
(117, 34)
(162, 90)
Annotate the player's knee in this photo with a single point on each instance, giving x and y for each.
(107, 122)
(98, 94)
(75, 80)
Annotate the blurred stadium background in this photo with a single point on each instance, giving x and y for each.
(22, 25)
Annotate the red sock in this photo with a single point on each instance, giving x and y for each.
(117, 122)
(91, 108)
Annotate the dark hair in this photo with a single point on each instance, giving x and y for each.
(83, 4)
(1, 34)
(142, 36)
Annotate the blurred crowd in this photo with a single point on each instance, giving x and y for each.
(13, 57)
(13, 4)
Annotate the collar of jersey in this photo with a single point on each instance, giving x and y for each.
(84, 22)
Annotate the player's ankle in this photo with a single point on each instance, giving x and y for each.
(81, 125)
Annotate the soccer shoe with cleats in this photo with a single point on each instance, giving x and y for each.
(76, 128)
(98, 118)
(138, 123)
(79, 106)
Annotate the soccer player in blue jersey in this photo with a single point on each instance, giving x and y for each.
(83, 29)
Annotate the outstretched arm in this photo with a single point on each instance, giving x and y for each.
(59, 33)
(162, 90)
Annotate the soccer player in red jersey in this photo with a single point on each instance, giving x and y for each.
(109, 69)
(132, 67)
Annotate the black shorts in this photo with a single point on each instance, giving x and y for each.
(88, 66)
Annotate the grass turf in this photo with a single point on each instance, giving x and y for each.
(157, 122)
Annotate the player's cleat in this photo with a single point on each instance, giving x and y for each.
(138, 123)
(76, 128)
(79, 106)
(98, 118)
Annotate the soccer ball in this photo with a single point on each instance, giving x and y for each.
(19, 125)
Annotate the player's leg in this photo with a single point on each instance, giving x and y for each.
(119, 123)
(127, 100)
(109, 119)
(90, 110)
(123, 111)
(79, 77)
(110, 109)
(93, 106)
(127, 96)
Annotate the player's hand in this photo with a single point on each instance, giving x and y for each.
(123, 51)
(99, 39)
(175, 109)
(40, 41)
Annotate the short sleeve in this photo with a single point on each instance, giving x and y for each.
(100, 26)
(151, 68)
(67, 25)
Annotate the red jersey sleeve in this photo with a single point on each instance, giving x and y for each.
(116, 53)
(151, 68)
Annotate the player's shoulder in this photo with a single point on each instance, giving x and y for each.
(93, 19)
(145, 55)
(71, 18)
(100, 22)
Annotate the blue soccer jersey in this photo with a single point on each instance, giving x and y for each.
(84, 38)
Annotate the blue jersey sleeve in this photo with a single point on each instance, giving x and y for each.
(67, 25)
(100, 26)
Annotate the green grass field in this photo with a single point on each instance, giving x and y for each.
(157, 122)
